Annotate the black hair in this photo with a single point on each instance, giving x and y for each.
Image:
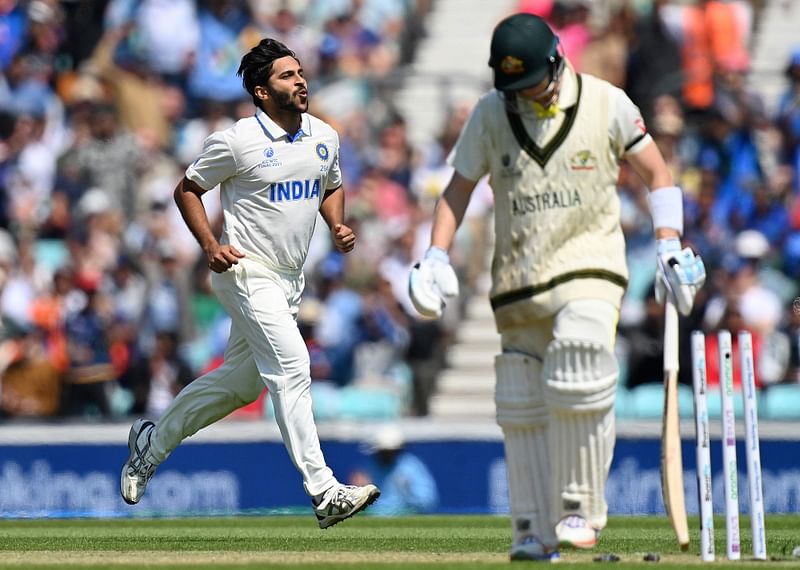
(256, 65)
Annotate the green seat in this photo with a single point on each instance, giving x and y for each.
(361, 403)
(685, 401)
(51, 253)
(714, 403)
(622, 408)
(331, 402)
(646, 401)
(326, 402)
(782, 402)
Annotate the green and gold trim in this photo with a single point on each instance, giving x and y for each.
(542, 154)
(509, 297)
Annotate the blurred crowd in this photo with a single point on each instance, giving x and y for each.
(104, 295)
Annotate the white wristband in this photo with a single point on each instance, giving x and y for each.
(666, 207)
(438, 254)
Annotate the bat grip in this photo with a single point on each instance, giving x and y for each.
(670, 336)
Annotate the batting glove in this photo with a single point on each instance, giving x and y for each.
(431, 282)
(680, 274)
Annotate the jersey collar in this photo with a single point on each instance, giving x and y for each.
(569, 88)
(274, 132)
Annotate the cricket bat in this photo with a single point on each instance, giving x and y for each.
(671, 461)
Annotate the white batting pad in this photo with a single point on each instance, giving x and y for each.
(522, 413)
(580, 380)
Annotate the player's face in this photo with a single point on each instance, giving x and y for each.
(287, 87)
(545, 93)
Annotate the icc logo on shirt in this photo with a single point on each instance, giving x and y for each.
(269, 159)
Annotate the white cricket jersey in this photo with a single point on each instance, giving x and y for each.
(271, 185)
(558, 234)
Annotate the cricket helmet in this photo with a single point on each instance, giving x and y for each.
(523, 50)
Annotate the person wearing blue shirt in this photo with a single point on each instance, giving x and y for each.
(407, 486)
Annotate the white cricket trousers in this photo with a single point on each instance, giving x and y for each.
(265, 348)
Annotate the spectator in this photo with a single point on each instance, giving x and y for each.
(157, 377)
(224, 36)
(339, 330)
(167, 307)
(15, 24)
(90, 376)
(31, 384)
(792, 332)
(788, 116)
(109, 159)
(284, 25)
(102, 106)
(127, 289)
(429, 338)
(167, 53)
(308, 319)
(407, 486)
(386, 335)
(733, 322)
(645, 342)
(136, 88)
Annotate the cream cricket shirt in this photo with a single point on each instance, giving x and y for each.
(271, 185)
(558, 235)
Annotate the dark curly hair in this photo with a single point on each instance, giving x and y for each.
(256, 64)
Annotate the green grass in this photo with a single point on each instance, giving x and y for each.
(364, 542)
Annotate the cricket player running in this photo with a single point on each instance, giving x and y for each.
(276, 170)
(550, 139)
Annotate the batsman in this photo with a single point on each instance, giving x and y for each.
(551, 140)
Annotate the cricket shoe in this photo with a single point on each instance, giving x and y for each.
(341, 502)
(531, 548)
(137, 470)
(576, 532)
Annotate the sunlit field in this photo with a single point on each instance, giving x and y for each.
(363, 542)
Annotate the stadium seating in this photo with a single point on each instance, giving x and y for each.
(782, 402)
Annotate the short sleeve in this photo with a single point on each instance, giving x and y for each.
(215, 164)
(627, 130)
(334, 179)
(469, 155)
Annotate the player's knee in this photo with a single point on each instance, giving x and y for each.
(292, 377)
(518, 391)
(579, 376)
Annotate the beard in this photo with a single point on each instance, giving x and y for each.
(288, 101)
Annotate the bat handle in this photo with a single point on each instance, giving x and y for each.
(670, 336)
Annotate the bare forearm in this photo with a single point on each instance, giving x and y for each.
(450, 211)
(332, 208)
(650, 166)
(187, 197)
(446, 220)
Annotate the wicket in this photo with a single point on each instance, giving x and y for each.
(703, 449)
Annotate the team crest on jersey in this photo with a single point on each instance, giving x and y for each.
(322, 151)
(512, 65)
(583, 160)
